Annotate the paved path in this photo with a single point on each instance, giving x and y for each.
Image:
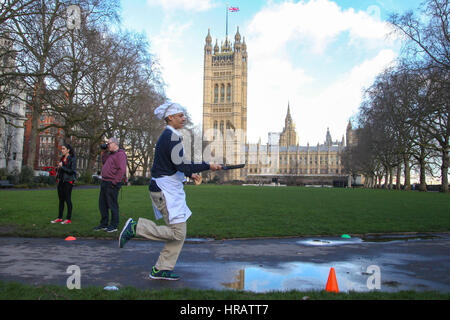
(257, 265)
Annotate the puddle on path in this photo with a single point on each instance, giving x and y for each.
(329, 241)
(198, 240)
(299, 276)
(313, 277)
(352, 275)
(335, 241)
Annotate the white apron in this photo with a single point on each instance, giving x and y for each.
(172, 188)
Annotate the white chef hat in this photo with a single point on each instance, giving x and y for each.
(168, 109)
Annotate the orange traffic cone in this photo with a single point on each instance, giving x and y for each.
(332, 285)
(70, 238)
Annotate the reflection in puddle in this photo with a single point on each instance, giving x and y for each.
(298, 276)
(198, 240)
(329, 241)
(367, 238)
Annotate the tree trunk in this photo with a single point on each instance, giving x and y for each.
(35, 114)
(407, 172)
(145, 166)
(391, 176)
(92, 160)
(386, 178)
(423, 185)
(398, 184)
(444, 169)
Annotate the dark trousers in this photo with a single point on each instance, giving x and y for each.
(108, 200)
(65, 196)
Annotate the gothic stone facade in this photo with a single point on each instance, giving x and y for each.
(225, 101)
(225, 127)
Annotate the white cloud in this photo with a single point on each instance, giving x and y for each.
(183, 78)
(314, 112)
(337, 103)
(317, 22)
(271, 83)
(194, 5)
(275, 77)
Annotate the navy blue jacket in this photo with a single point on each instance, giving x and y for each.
(169, 159)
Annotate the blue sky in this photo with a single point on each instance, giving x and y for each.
(316, 54)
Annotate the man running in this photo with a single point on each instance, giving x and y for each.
(167, 194)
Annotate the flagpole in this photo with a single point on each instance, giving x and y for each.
(226, 34)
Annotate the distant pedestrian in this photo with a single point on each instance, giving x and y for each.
(167, 194)
(65, 178)
(114, 170)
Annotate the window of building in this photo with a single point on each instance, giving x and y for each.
(215, 128)
(222, 93)
(228, 92)
(216, 93)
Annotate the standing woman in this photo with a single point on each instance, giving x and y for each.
(65, 179)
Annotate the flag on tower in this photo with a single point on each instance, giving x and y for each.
(233, 9)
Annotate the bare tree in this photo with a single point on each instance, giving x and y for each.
(9, 9)
(141, 138)
(428, 46)
(433, 110)
(429, 38)
(37, 34)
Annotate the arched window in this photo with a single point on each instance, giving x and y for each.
(216, 93)
(221, 126)
(228, 92)
(222, 93)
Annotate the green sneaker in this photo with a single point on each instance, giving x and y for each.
(163, 274)
(128, 232)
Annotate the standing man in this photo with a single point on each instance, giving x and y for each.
(113, 171)
(167, 194)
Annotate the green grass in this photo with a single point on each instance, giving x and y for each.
(239, 212)
(18, 291)
(230, 212)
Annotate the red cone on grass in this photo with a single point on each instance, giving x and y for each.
(70, 238)
(332, 285)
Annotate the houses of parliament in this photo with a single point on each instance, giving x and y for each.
(225, 127)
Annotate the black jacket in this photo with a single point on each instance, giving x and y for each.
(68, 171)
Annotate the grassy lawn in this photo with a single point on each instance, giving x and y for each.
(229, 212)
(239, 212)
(17, 291)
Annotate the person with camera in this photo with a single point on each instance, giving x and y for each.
(114, 170)
(65, 179)
(167, 194)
